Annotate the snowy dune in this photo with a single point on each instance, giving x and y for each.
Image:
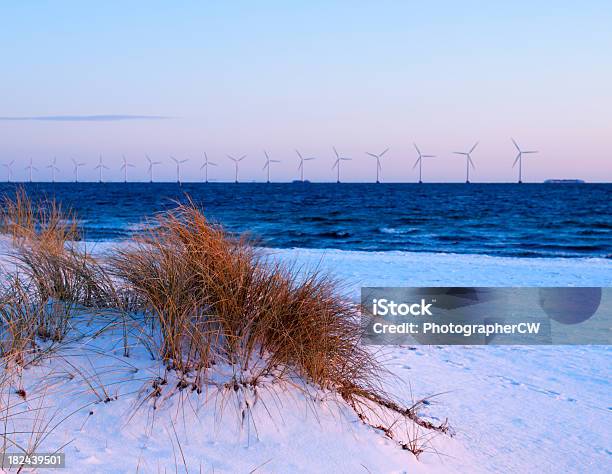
(514, 409)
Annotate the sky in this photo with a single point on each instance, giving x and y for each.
(83, 79)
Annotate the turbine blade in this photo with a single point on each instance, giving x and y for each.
(471, 163)
(460, 153)
(515, 144)
(417, 149)
(299, 154)
(516, 160)
(474, 147)
(416, 162)
(386, 150)
(336, 152)
(372, 154)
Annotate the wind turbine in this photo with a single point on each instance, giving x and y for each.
(301, 165)
(29, 168)
(236, 161)
(337, 163)
(53, 169)
(378, 166)
(205, 166)
(150, 169)
(101, 166)
(267, 165)
(9, 170)
(125, 167)
(519, 158)
(76, 169)
(468, 161)
(178, 167)
(419, 162)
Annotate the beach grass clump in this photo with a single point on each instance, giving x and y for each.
(218, 303)
(67, 274)
(18, 324)
(55, 273)
(44, 221)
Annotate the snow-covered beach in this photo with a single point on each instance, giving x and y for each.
(513, 409)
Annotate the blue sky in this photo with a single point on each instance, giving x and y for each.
(238, 77)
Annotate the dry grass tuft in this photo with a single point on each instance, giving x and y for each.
(18, 324)
(219, 303)
(43, 221)
(52, 275)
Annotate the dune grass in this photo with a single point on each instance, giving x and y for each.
(206, 301)
(43, 221)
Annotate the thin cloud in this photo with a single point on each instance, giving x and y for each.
(85, 118)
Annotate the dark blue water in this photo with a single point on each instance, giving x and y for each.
(528, 220)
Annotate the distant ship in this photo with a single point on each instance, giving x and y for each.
(298, 181)
(563, 181)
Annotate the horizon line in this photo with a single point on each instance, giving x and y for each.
(231, 181)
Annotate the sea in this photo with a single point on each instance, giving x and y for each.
(511, 220)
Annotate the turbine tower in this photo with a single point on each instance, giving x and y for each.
(150, 168)
(301, 165)
(9, 170)
(267, 165)
(519, 159)
(29, 168)
(53, 169)
(205, 167)
(337, 163)
(419, 162)
(178, 168)
(76, 169)
(125, 167)
(468, 161)
(378, 166)
(236, 161)
(100, 167)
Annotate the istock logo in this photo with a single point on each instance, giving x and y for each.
(384, 307)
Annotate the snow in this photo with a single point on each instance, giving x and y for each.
(514, 409)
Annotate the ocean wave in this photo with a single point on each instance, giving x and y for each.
(394, 230)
